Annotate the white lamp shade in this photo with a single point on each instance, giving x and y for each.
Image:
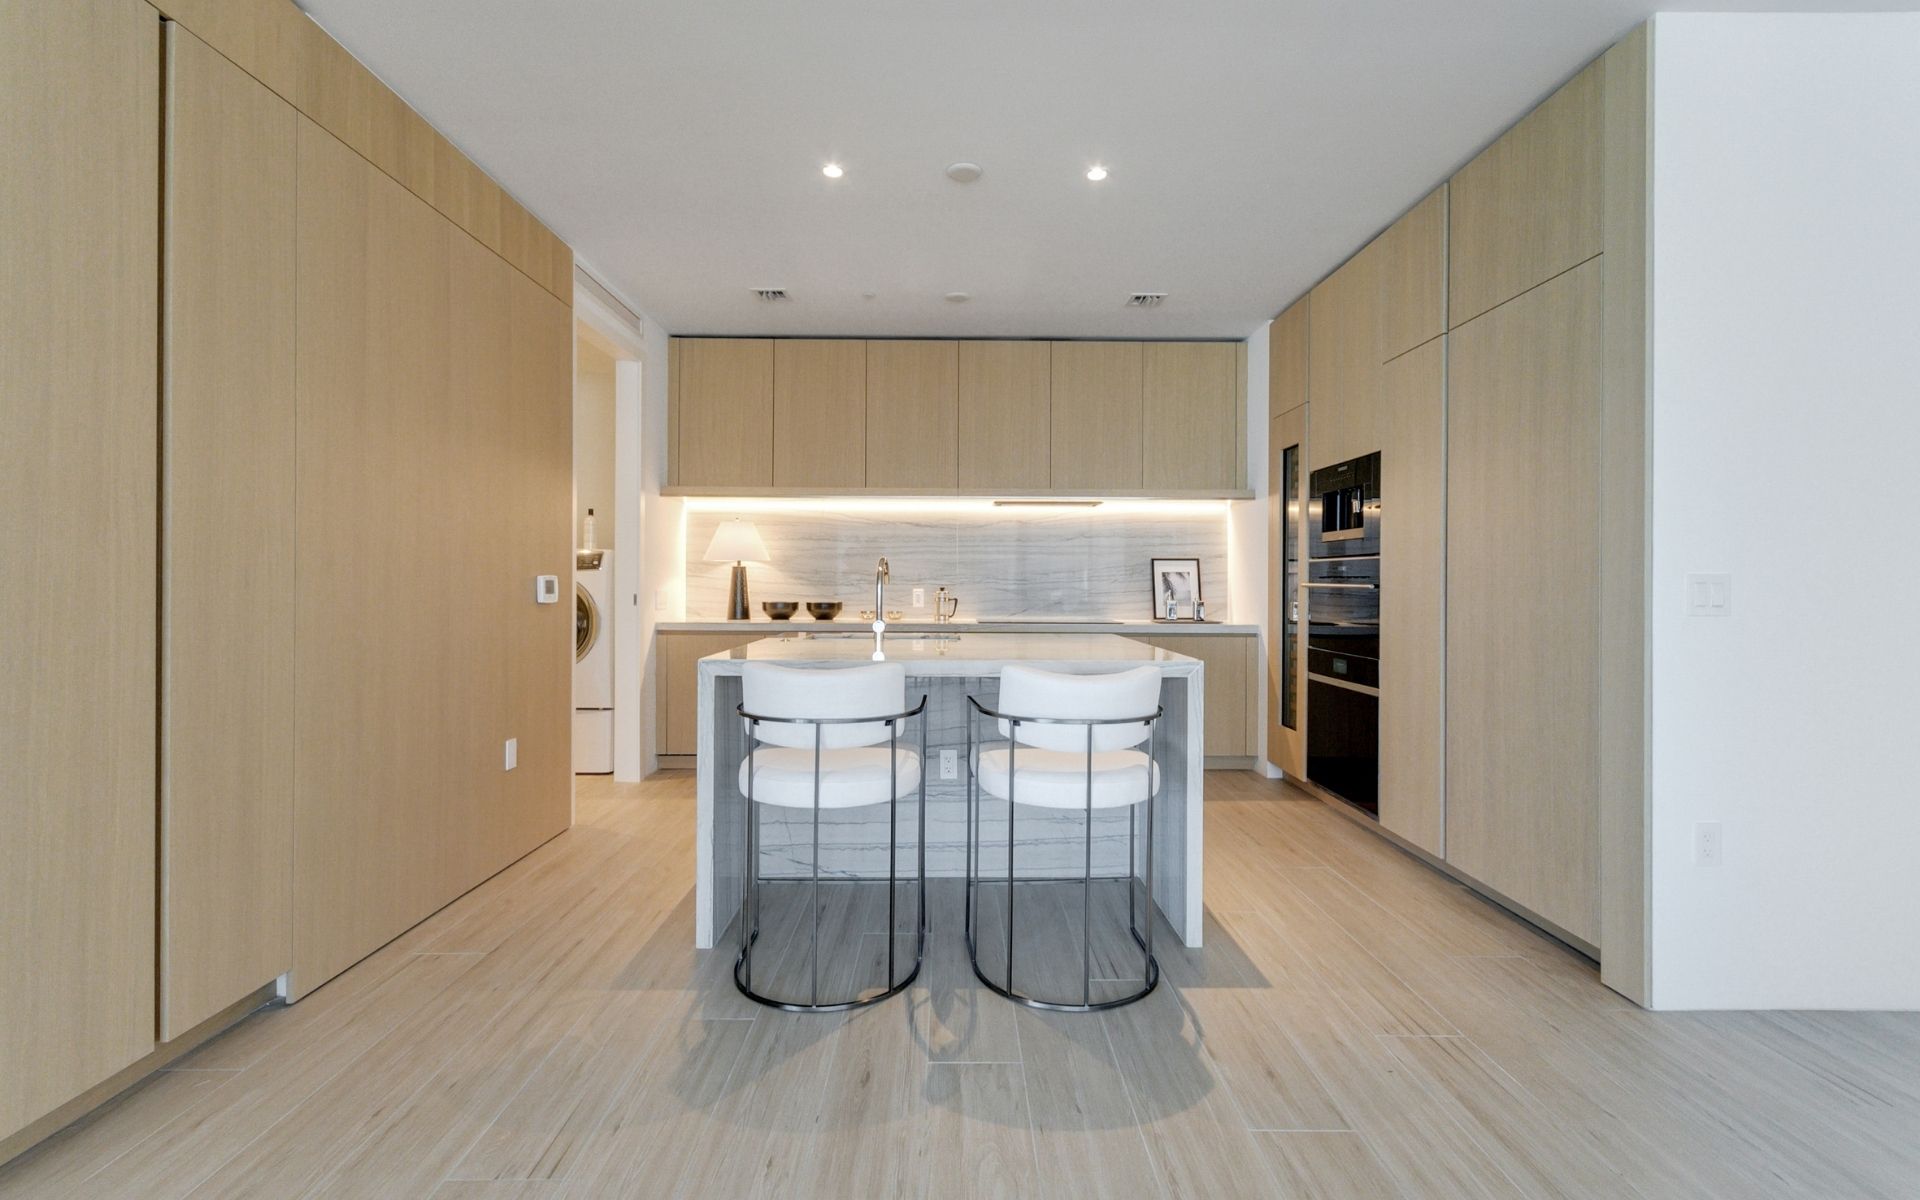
(737, 541)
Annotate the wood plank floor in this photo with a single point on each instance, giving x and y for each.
(1358, 1026)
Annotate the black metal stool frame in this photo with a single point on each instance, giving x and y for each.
(1150, 965)
(750, 887)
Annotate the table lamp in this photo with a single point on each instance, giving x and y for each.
(737, 542)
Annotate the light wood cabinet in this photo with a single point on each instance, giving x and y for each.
(1413, 572)
(1231, 703)
(1190, 416)
(79, 424)
(1528, 207)
(1287, 431)
(724, 417)
(677, 716)
(1523, 414)
(1006, 436)
(819, 413)
(1095, 415)
(1344, 360)
(912, 414)
(226, 698)
(1413, 277)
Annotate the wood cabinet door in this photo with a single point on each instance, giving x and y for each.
(1096, 416)
(1413, 277)
(79, 431)
(226, 701)
(678, 724)
(1286, 668)
(913, 403)
(1227, 693)
(1413, 573)
(1189, 398)
(724, 415)
(1523, 450)
(1344, 361)
(1529, 206)
(819, 413)
(1005, 422)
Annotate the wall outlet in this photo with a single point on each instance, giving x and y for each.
(660, 600)
(513, 753)
(949, 764)
(1706, 844)
(919, 597)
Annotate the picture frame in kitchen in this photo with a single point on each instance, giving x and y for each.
(1178, 580)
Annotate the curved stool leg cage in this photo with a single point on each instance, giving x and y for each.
(1142, 937)
(750, 898)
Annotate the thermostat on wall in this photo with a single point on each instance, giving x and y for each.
(546, 589)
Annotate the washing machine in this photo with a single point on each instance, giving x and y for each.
(593, 663)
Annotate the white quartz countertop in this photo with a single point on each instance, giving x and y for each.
(963, 654)
(853, 624)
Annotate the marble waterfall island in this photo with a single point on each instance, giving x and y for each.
(947, 668)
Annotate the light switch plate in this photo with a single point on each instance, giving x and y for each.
(1709, 595)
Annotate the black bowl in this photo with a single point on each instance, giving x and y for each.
(779, 610)
(824, 610)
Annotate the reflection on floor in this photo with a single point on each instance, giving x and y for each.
(1358, 1026)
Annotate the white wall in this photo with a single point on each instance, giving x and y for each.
(593, 440)
(1786, 410)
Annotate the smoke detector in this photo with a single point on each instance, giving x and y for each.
(1145, 299)
(772, 293)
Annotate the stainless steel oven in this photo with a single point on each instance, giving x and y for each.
(1343, 632)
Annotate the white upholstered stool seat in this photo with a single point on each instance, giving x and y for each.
(1058, 778)
(850, 777)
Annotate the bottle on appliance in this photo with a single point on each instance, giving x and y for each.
(586, 532)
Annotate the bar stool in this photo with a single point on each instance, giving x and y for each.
(1071, 744)
(814, 741)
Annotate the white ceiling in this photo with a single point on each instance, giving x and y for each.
(677, 144)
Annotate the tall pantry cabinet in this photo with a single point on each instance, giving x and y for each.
(263, 325)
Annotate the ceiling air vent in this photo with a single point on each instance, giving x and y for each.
(772, 293)
(1145, 299)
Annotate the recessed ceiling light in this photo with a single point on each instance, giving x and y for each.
(963, 172)
(1096, 173)
(958, 297)
(832, 170)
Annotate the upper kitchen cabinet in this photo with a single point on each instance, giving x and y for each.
(819, 414)
(723, 412)
(1096, 416)
(1529, 206)
(1343, 357)
(1413, 277)
(913, 401)
(1190, 413)
(1005, 441)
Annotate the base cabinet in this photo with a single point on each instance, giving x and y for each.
(677, 685)
(1231, 677)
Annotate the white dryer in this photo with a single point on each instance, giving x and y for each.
(593, 610)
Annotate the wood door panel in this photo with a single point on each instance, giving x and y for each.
(79, 431)
(1523, 417)
(1413, 572)
(1413, 277)
(228, 519)
(1190, 428)
(1095, 414)
(1344, 361)
(819, 413)
(1005, 439)
(724, 415)
(913, 412)
(1528, 207)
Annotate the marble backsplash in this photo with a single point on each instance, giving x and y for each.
(1001, 563)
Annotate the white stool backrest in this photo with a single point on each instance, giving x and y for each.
(1031, 692)
(767, 690)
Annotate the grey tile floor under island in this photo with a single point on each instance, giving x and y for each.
(1357, 1026)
